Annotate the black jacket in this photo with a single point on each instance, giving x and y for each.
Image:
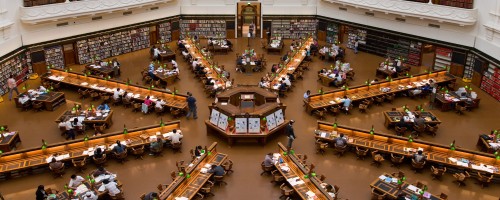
(40, 194)
(289, 131)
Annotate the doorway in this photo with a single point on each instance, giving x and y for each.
(249, 20)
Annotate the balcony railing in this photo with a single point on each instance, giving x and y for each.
(29, 3)
(68, 9)
(440, 13)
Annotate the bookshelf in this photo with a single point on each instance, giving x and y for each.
(203, 28)
(165, 32)
(332, 33)
(491, 81)
(443, 58)
(294, 28)
(112, 44)
(353, 34)
(18, 65)
(54, 56)
(453, 3)
(469, 65)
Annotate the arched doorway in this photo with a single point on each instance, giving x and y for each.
(248, 19)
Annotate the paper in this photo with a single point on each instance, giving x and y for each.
(382, 177)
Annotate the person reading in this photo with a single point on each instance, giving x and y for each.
(419, 157)
(340, 141)
(268, 160)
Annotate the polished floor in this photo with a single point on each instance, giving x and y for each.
(351, 175)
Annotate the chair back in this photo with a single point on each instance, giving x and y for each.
(443, 196)
(322, 177)
(396, 159)
(138, 150)
(417, 165)
(121, 155)
(361, 152)
(143, 196)
(173, 175)
(228, 165)
(99, 161)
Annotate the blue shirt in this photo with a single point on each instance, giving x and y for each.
(191, 102)
(217, 171)
(347, 102)
(103, 107)
(151, 67)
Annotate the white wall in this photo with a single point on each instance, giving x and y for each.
(489, 13)
(208, 7)
(10, 38)
(288, 7)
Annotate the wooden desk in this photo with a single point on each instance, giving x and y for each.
(167, 55)
(359, 93)
(105, 71)
(177, 101)
(50, 100)
(9, 142)
(233, 137)
(484, 145)
(384, 73)
(169, 79)
(66, 196)
(28, 161)
(445, 105)
(183, 186)
(385, 143)
(293, 64)
(299, 171)
(219, 48)
(278, 48)
(392, 190)
(393, 117)
(97, 119)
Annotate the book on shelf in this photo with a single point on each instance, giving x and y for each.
(294, 28)
(54, 56)
(19, 66)
(204, 28)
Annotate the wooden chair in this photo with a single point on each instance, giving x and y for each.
(376, 195)
(362, 108)
(277, 177)
(121, 157)
(443, 196)
(336, 192)
(26, 106)
(159, 111)
(161, 187)
(340, 150)
(157, 83)
(57, 172)
(460, 109)
(379, 100)
(320, 113)
(322, 177)
(83, 93)
(79, 164)
(127, 102)
(368, 101)
(361, 153)
(400, 131)
(37, 106)
(100, 128)
(350, 75)
(377, 158)
(100, 161)
(321, 147)
(437, 173)
(418, 130)
(420, 185)
(173, 175)
(396, 160)
(157, 152)
(206, 189)
(177, 147)
(484, 181)
(219, 180)
(176, 113)
(143, 196)
(302, 158)
(94, 95)
(191, 153)
(335, 110)
(147, 80)
(286, 191)
(137, 107)
(390, 97)
(417, 166)
(460, 178)
(57, 86)
(180, 165)
(105, 98)
(266, 170)
(138, 152)
(228, 166)
(118, 196)
(431, 129)
(117, 101)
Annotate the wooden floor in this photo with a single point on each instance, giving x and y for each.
(353, 176)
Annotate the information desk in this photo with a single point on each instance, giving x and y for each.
(219, 48)
(34, 160)
(209, 65)
(49, 100)
(9, 141)
(358, 93)
(89, 118)
(167, 55)
(384, 73)
(166, 76)
(307, 188)
(490, 145)
(393, 117)
(275, 48)
(389, 186)
(447, 101)
(293, 64)
(192, 180)
(246, 112)
(105, 71)
(455, 160)
(173, 100)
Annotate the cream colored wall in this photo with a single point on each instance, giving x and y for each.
(10, 38)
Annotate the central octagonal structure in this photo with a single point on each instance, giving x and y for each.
(246, 112)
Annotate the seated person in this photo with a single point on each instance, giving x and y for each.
(55, 164)
(159, 103)
(156, 145)
(275, 68)
(287, 82)
(346, 103)
(282, 86)
(374, 81)
(100, 171)
(268, 160)
(103, 106)
(419, 157)
(42, 89)
(117, 94)
(416, 91)
(151, 196)
(228, 42)
(197, 151)
(217, 170)
(145, 105)
(119, 147)
(340, 141)
(307, 94)
(185, 53)
(89, 195)
(23, 99)
(427, 88)
(151, 70)
(263, 83)
(285, 57)
(111, 187)
(75, 181)
(331, 190)
(98, 153)
(419, 121)
(176, 136)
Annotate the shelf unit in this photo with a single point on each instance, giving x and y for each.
(203, 27)
(332, 33)
(294, 28)
(353, 34)
(112, 44)
(18, 65)
(443, 58)
(491, 81)
(469, 65)
(54, 56)
(165, 32)
(457, 3)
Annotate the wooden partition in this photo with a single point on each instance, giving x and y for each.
(189, 182)
(23, 162)
(358, 93)
(83, 81)
(212, 73)
(436, 153)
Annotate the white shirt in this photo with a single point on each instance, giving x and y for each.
(116, 94)
(90, 197)
(287, 82)
(112, 188)
(68, 125)
(156, 52)
(185, 53)
(174, 64)
(175, 137)
(24, 99)
(159, 103)
(42, 89)
(75, 182)
(195, 63)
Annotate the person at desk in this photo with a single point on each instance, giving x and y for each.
(282, 86)
(151, 70)
(287, 82)
(145, 105)
(98, 153)
(419, 157)
(111, 187)
(346, 103)
(186, 55)
(151, 196)
(268, 160)
(217, 170)
(174, 64)
(307, 94)
(374, 81)
(197, 151)
(75, 181)
(100, 171)
(340, 141)
(329, 188)
(228, 43)
(42, 89)
(419, 121)
(263, 83)
(285, 57)
(156, 53)
(103, 106)
(116, 94)
(176, 136)
(156, 145)
(209, 41)
(119, 147)
(55, 164)
(89, 195)
(159, 103)
(275, 68)
(41, 194)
